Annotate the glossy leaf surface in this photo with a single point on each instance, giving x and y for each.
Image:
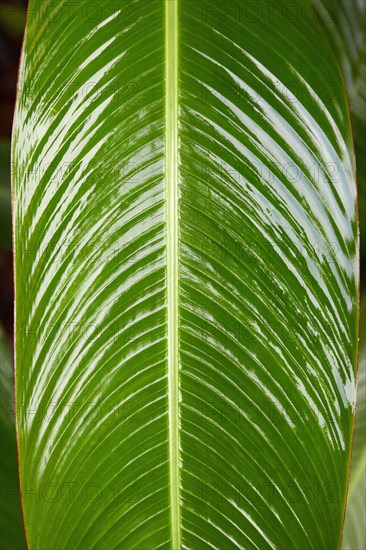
(354, 536)
(186, 277)
(344, 22)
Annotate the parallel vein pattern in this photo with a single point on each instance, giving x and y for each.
(354, 535)
(186, 277)
(344, 23)
(90, 277)
(268, 278)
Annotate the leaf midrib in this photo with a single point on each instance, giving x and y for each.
(171, 164)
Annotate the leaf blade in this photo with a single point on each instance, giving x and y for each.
(344, 24)
(259, 251)
(354, 534)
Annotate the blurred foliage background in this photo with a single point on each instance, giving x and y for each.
(12, 21)
(340, 19)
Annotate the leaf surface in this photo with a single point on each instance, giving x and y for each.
(186, 277)
(344, 22)
(354, 535)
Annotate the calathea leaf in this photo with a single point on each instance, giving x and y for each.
(354, 536)
(344, 23)
(186, 276)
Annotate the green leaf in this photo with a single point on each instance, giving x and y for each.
(344, 22)
(11, 523)
(354, 536)
(186, 276)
